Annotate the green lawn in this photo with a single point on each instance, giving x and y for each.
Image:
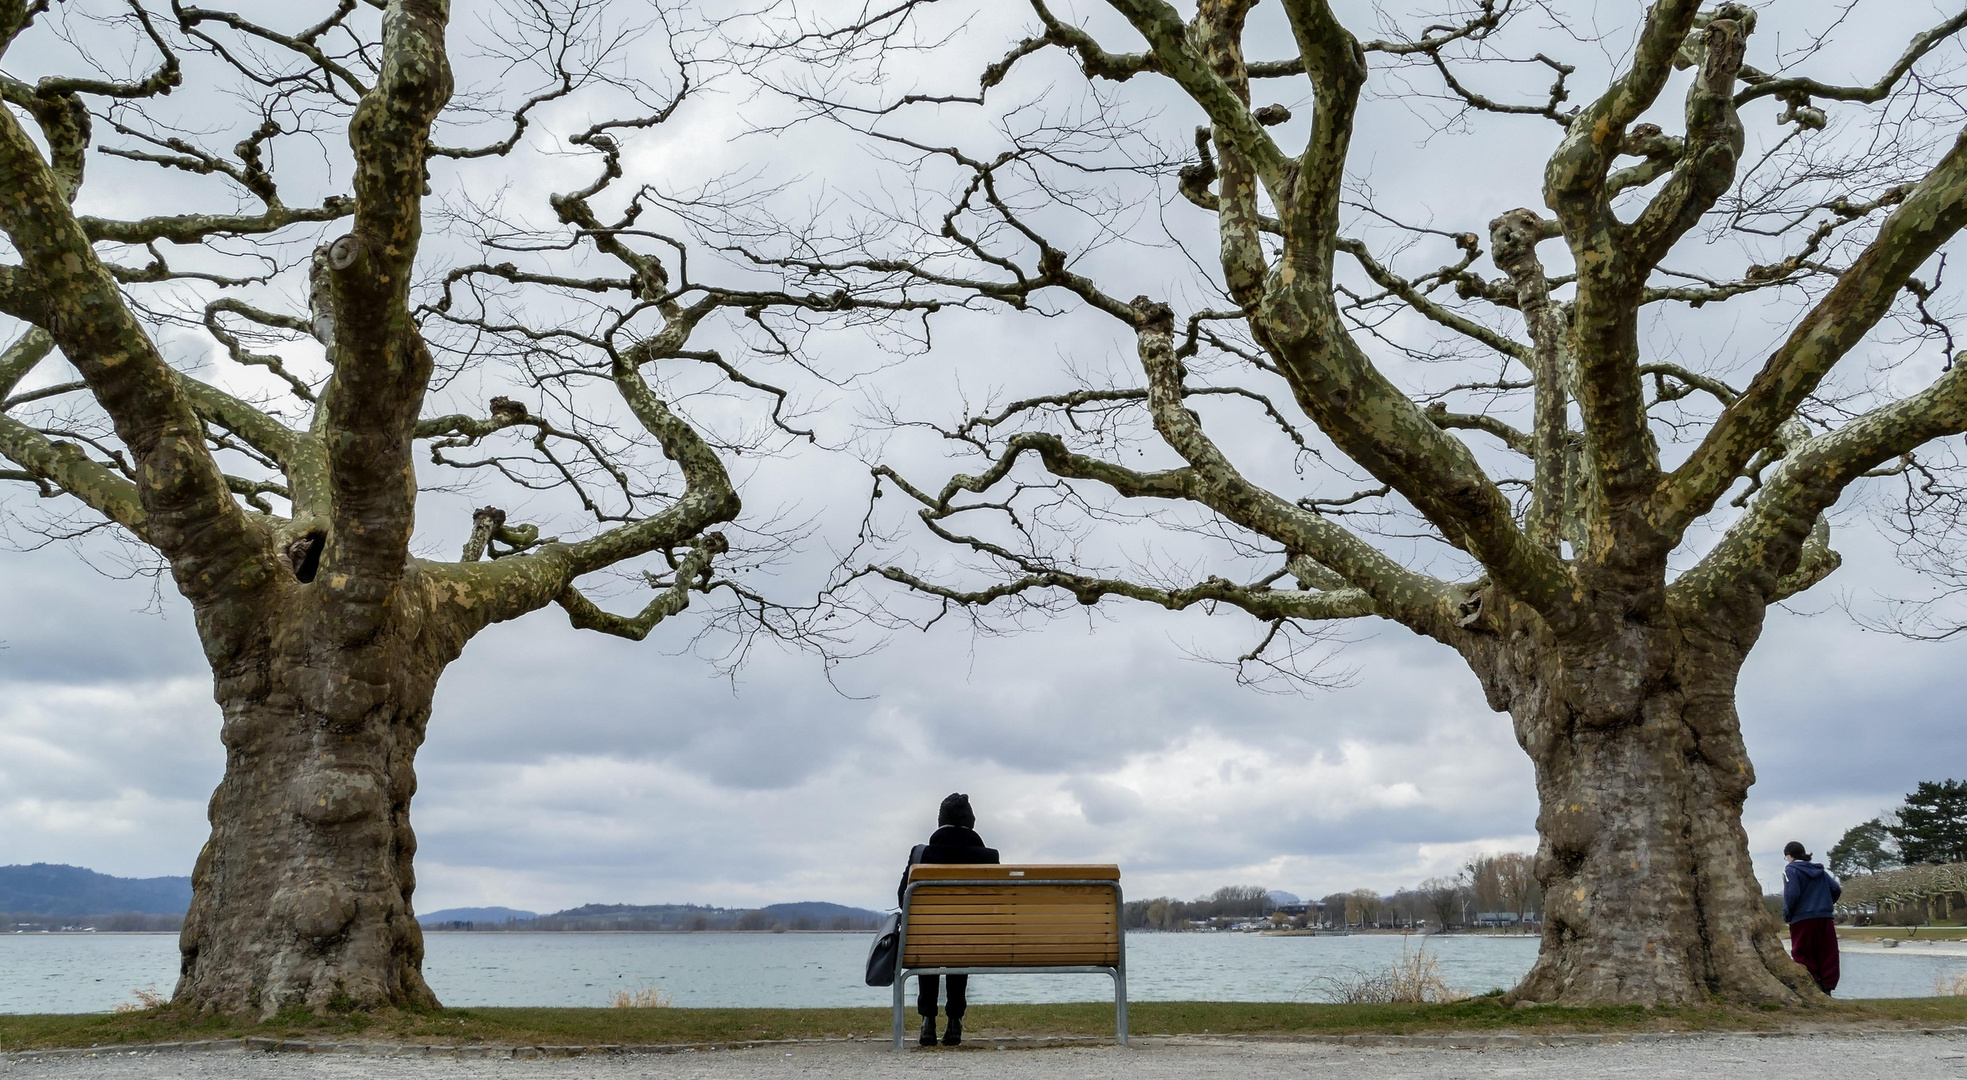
(591, 1027)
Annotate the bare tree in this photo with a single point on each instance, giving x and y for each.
(1445, 897)
(1598, 530)
(279, 481)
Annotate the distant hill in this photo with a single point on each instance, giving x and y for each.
(807, 915)
(54, 889)
(477, 915)
(819, 911)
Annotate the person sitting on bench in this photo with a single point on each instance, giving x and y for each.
(954, 841)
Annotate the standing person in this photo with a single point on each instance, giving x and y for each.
(954, 841)
(1808, 895)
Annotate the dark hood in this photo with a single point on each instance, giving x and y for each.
(1809, 869)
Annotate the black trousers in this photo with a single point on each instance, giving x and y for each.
(925, 994)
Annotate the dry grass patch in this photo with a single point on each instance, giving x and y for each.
(1415, 978)
(645, 997)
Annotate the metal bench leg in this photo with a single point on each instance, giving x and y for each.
(900, 981)
(1120, 1004)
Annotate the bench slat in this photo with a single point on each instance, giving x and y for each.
(917, 917)
(1012, 872)
(994, 956)
(1028, 893)
(1036, 896)
(917, 925)
(1055, 935)
(1076, 941)
(1075, 929)
(997, 950)
(1030, 911)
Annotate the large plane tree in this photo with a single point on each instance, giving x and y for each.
(237, 301)
(1501, 441)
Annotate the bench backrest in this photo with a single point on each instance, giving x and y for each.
(1021, 916)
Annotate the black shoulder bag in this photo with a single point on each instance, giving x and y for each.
(884, 954)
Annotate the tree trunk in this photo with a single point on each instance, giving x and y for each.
(1649, 893)
(301, 898)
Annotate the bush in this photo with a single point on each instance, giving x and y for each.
(1413, 979)
(146, 1000)
(644, 997)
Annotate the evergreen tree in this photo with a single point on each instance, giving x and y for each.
(1932, 824)
(1865, 849)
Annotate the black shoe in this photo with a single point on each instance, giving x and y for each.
(929, 1030)
(953, 1035)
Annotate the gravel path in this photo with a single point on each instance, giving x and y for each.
(1867, 1057)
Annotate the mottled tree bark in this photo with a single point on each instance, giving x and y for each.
(302, 896)
(1649, 892)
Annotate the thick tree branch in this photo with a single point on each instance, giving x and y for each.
(192, 518)
(1932, 213)
(382, 366)
(1765, 548)
(61, 466)
(1167, 37)
(1337, 67)
(1399, 594)
(1410, 598)
(1795, 89)
(1706, 163)
(194, 228)
(1261, 601)
(1520, 441)
(510, 587)
(693, 572)
(1574, 180)
(1513, 238)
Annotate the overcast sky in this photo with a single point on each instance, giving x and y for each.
(563, 767)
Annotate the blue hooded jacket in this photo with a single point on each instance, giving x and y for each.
(1808, 892)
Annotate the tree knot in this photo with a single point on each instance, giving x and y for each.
(1272, 115)
(346, 252)
(1514, 236)
(1153, 315)
(507, 411)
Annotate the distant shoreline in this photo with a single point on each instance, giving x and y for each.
(446, 930)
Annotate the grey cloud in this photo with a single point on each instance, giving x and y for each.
(564, 767)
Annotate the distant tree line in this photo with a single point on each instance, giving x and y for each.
(1926, 831)
(677, 918)
(1929, 827)
(1490, 890)
(124, 922)
(1231, 903)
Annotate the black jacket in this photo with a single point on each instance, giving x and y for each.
(949, 844)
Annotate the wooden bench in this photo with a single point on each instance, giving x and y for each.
(1012, 920)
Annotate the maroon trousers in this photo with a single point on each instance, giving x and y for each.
(1813, 943)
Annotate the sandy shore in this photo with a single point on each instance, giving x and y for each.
(1899, 1056)
(1905, 947)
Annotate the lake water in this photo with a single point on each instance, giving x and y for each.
(95, 972)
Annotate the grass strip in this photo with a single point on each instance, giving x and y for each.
(596, 1027)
